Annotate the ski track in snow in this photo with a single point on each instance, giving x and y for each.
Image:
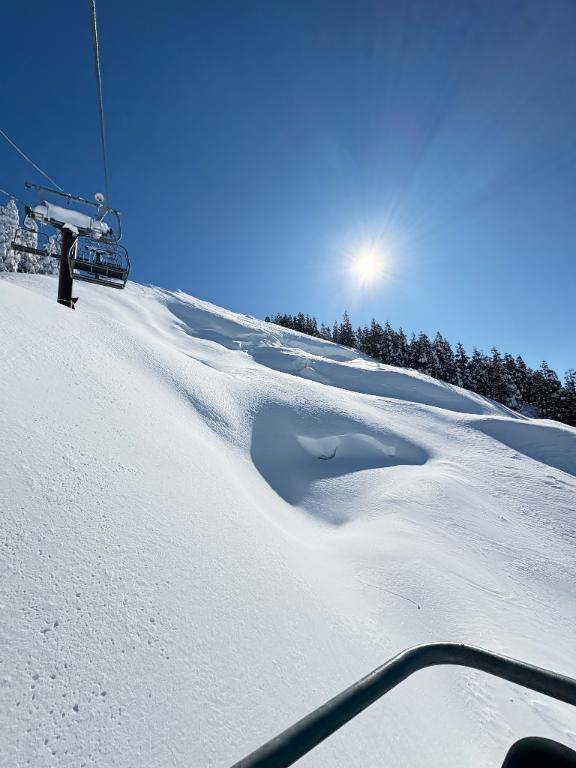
(210, 525)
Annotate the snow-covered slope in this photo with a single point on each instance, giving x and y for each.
(210, 525)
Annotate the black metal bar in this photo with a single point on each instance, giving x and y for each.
(307, 733)
(64, 276)
(67, 195)
(100, 268)
(29, 249)
(99, 281)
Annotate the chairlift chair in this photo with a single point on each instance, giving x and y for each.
(99, 261)
(95, 254)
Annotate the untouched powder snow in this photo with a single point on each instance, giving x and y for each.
(210, 525)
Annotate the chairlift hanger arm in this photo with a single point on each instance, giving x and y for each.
(118, 218)
(293, 743)
(67, 195)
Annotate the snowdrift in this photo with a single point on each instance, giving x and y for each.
(211, 524)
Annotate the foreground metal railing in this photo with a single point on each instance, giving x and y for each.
(300, 738)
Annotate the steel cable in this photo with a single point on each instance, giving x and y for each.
(96, 51)
(25, 156)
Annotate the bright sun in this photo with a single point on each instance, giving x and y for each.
(367, 265)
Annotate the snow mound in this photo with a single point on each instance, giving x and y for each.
(308, 459)
(212, 524)
(550, 443)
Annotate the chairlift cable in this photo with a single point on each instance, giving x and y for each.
(96, 51)
(9, 194)
(32, 163)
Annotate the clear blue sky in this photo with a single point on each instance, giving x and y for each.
(254, 143)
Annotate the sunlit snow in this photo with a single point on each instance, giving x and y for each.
(211, 524)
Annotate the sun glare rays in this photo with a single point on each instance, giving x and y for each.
(367, 264)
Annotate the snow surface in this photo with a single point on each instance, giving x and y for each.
(210, 525)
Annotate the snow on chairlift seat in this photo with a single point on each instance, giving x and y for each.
(57, 215)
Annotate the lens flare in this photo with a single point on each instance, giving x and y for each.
(367, 265)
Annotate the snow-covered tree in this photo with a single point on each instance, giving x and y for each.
(402, 351)
(421, 354)
(48, 265)
(502, 377)
(479, 373)
(28, 235)
(510, 383)
(524, 380)
(546, 392)
(496, 385)
(387, 346)
(568, 399)
(12, 232)
(370, 341)
(9, 223)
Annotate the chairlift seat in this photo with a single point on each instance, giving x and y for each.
(97, 261)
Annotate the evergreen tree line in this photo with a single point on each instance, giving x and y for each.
(502, 377)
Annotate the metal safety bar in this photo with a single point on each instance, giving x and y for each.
(307, 733)
(60, 193)
(29, 249)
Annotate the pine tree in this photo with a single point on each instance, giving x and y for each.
(386, 346)
(402, 355)
(325, 332)
(300, 322)
(346, 335)
(510, 381)
(360, 337)
(546, 392)
(478, 372)
(421, 354)
(568, 399)
(461, 363)
(496, 381)
(413, 352)
(372, 339)
(312, 326)
(444, 359)
(335, 332)
(524, 377)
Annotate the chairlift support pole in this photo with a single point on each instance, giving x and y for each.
(65, 281)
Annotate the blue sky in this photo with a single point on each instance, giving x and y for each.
(255, 145)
